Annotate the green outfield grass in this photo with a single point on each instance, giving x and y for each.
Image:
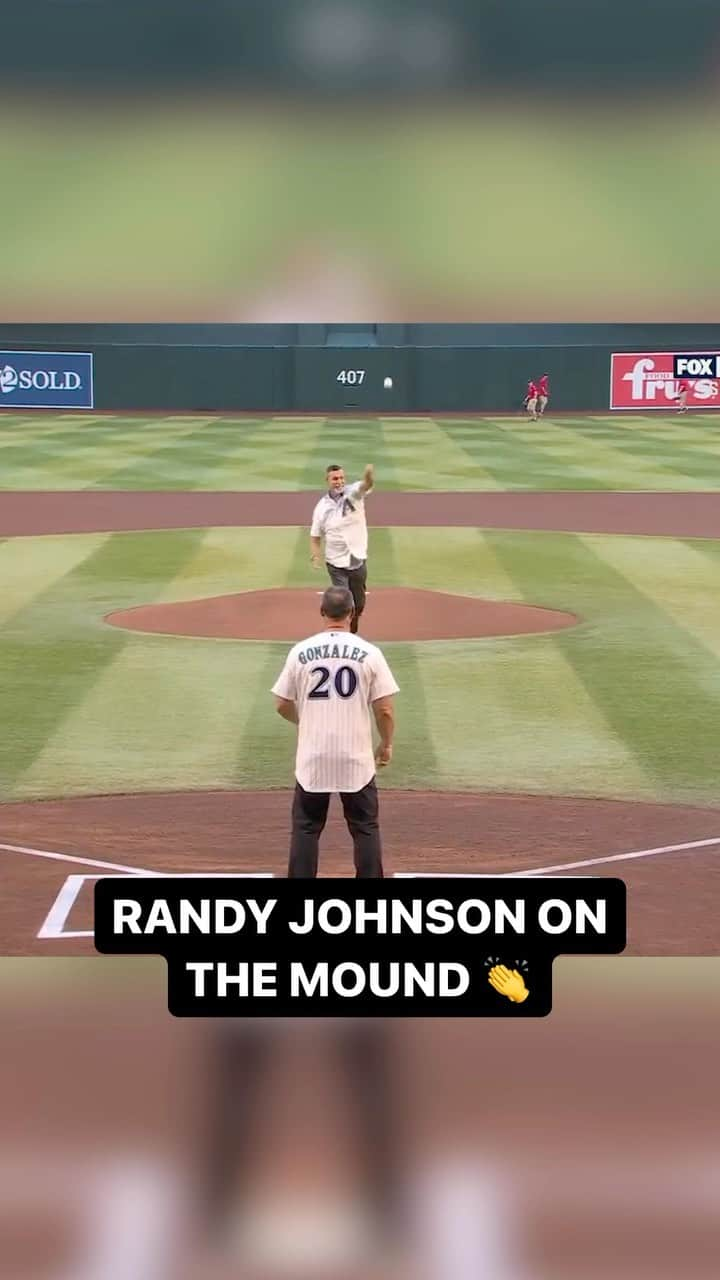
(83, 451)
(626, 704)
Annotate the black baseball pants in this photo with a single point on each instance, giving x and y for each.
(309, 815)
(355, 581)
(241, 1059)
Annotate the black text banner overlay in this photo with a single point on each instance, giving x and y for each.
(427, 947)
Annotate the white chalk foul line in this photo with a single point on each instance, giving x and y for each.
(72, 857)
(616, 857)
(53, 925)
(531, 871)
(560, 866)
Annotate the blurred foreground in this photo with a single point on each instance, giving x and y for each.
(264, 211)
(315, 160)
(585, 1146)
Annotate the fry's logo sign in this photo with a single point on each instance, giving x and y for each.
(650, 381)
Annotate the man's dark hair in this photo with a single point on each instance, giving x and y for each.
(335, 466)
(337, 603)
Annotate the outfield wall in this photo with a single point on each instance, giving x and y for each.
(326, 369)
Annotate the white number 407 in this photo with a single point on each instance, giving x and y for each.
(353, 377)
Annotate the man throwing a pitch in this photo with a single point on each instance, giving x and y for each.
(329, 685)
(339, 520)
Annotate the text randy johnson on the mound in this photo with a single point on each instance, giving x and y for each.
(375, 948)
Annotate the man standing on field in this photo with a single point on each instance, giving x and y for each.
(682, 395)
(339, 519)
(328, 686)
(543, 394)
(531, 399)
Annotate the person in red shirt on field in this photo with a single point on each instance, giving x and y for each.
(543, 394)
(531, 399)
(682, 395)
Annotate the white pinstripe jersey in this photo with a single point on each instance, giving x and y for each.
(332, 678)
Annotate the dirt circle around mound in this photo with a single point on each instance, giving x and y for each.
(392, 613)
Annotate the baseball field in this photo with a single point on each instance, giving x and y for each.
(547, 596)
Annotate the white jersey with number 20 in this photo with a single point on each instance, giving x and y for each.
(333, 678)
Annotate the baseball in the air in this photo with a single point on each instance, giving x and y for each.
(388, 384)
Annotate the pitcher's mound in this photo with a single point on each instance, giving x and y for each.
(392, 613)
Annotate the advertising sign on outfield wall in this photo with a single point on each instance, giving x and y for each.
(649, 380)
(46, 380)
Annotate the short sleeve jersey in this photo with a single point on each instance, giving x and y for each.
(333, 678)
(342, 523)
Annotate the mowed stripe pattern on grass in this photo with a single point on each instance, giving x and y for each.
(166, 712)
(55, 646)
(624, 704)
(278, 454)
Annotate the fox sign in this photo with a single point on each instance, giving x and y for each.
(649, 380)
